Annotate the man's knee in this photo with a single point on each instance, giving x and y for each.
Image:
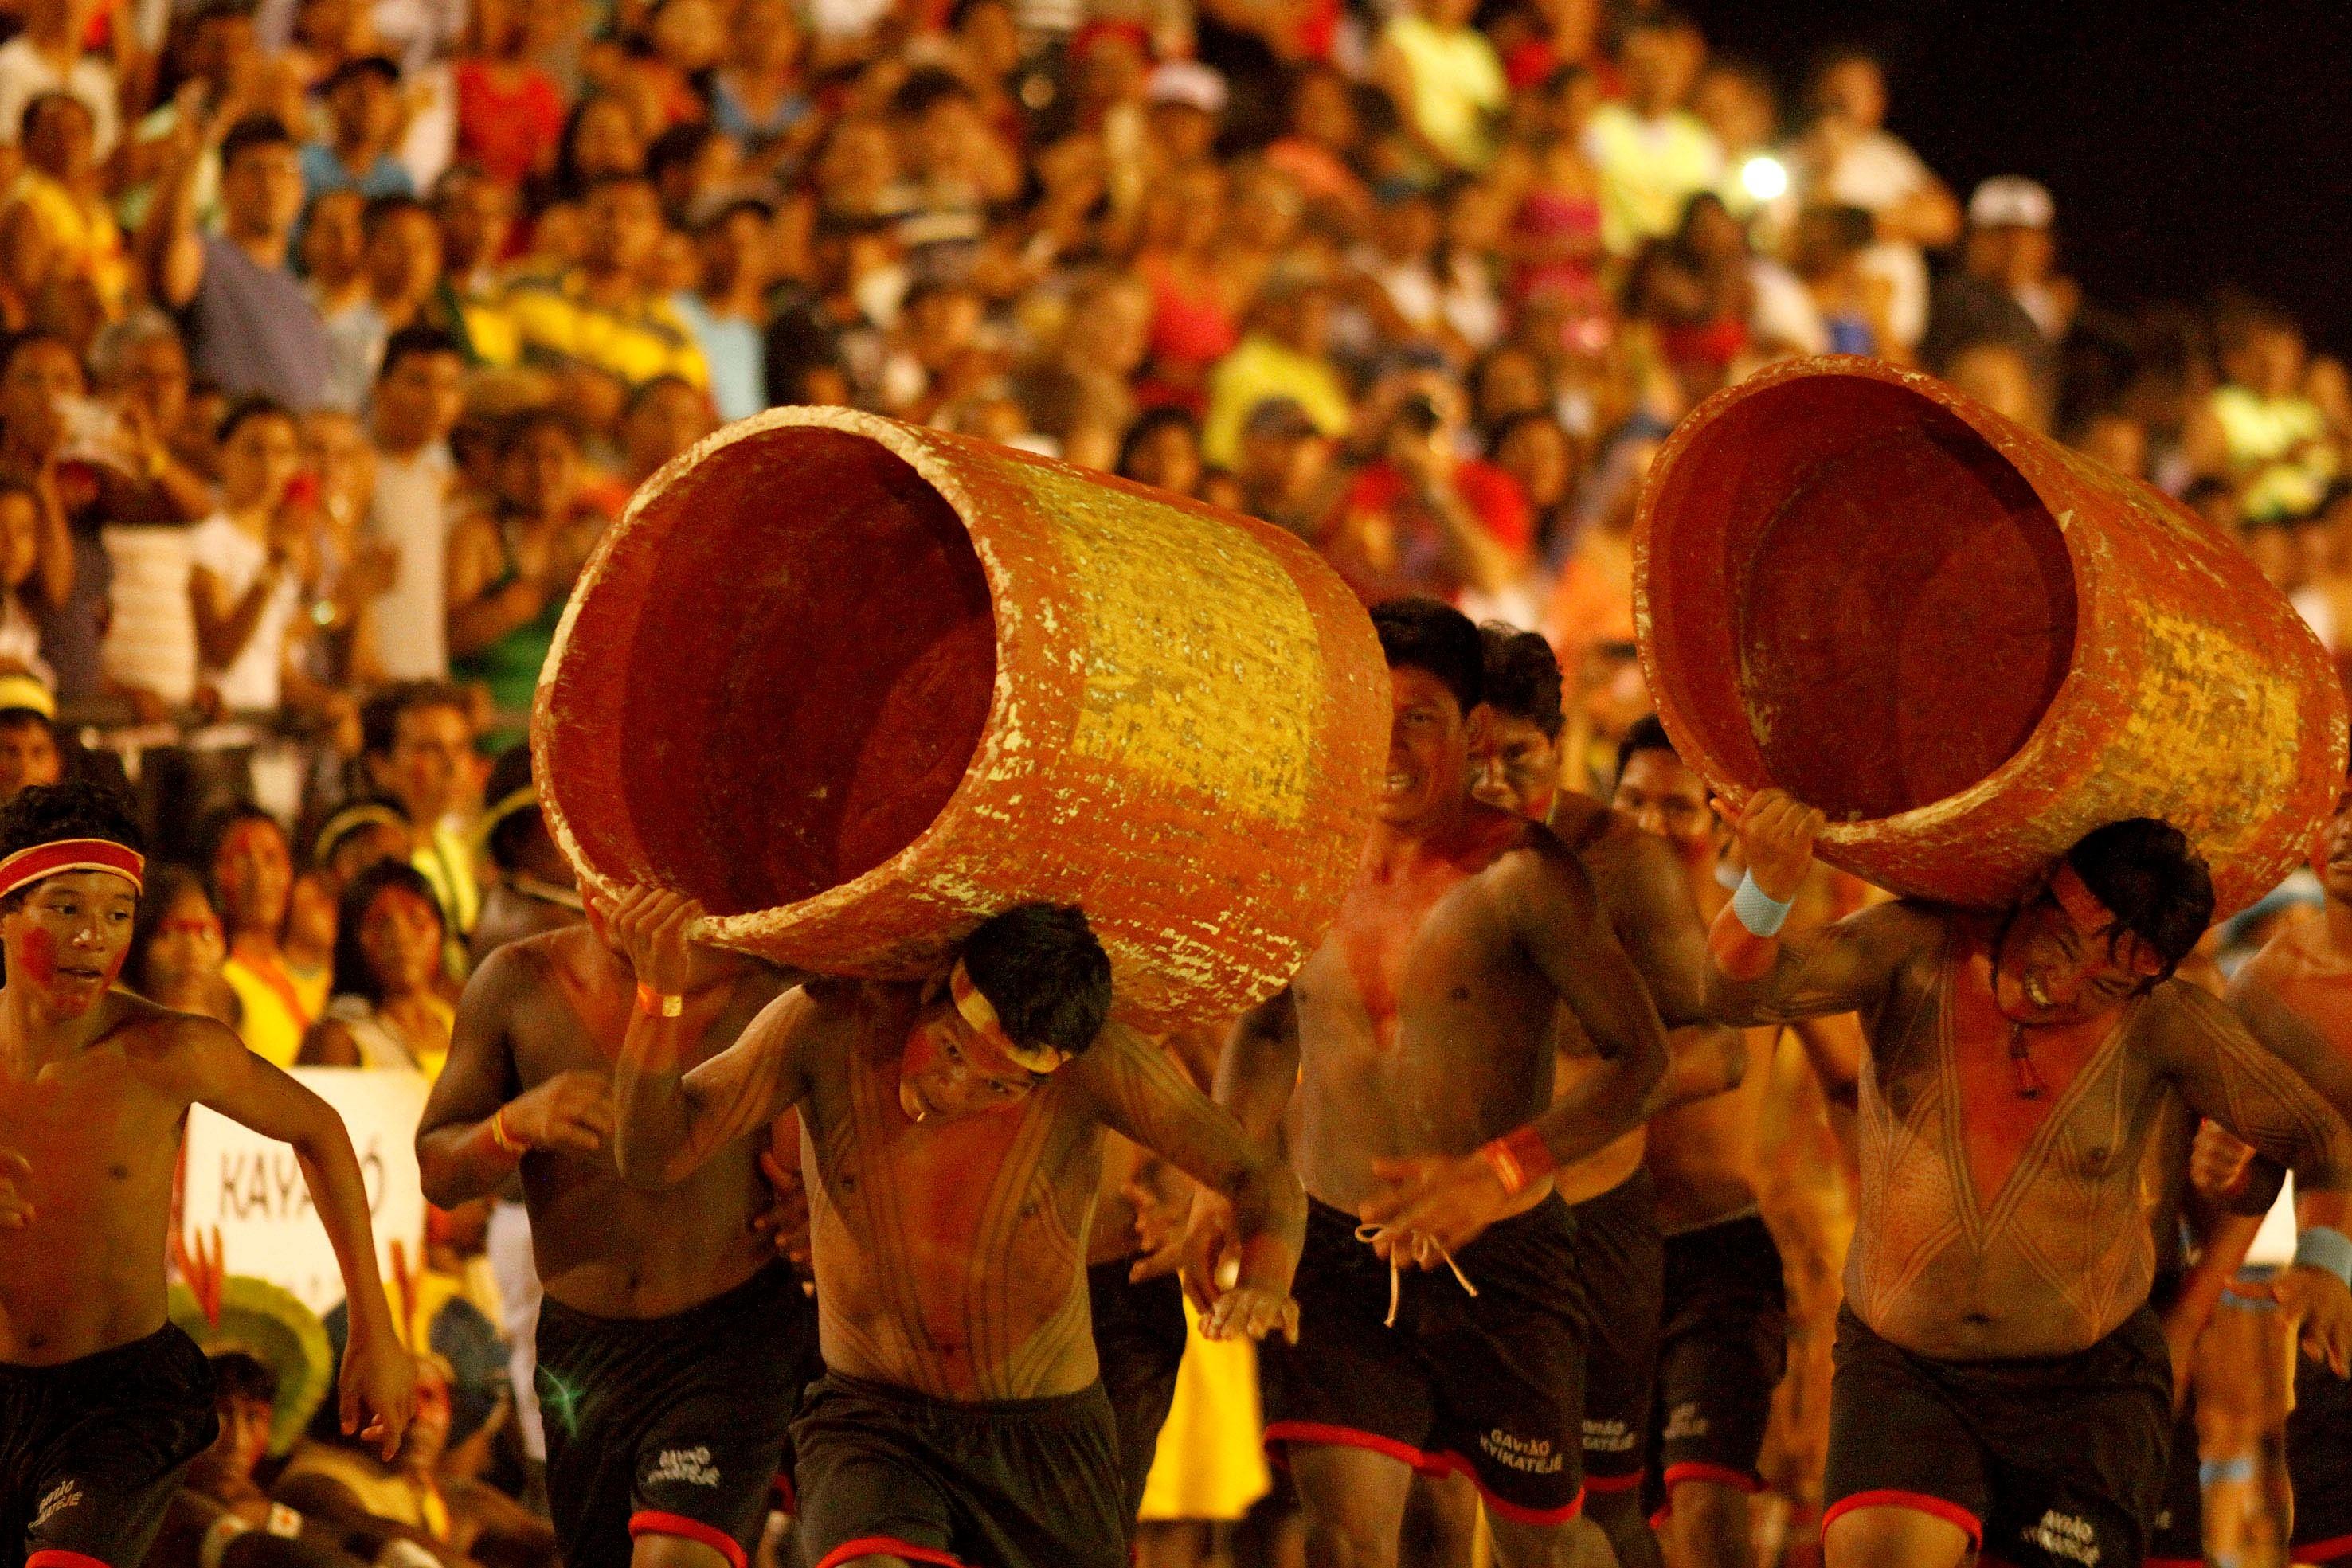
(1353, 1501)
(656, 1550)
(1892, 1537)
(1710, 1526)
(1579, 1543)
(1619, 1515)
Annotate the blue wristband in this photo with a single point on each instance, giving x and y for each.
(1757, 909)
(2321, 1247)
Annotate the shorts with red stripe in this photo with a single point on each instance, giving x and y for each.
(674, 1425)
(1491, 1385)
(1721, 1354)
(1620, 1259)
(1008, 1483)
(91, 1450)
(2045, 1461)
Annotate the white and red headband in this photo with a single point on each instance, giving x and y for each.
(28, 866)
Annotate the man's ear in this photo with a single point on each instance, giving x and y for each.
(1479, 728)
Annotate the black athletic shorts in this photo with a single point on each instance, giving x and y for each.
(1139, 1341)
(2046, 1461)
(1722, 1354)
(1012, 1483)
(91, 1450)
(2177, 1537)
(1620, 1259)
(674, 1425)
(1491, 1385)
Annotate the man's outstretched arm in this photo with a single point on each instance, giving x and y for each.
(1139, 1093)
(669, 1121)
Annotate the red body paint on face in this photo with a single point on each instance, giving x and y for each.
(40, 956)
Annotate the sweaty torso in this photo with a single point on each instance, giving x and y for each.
(603, 1246)
(951, 1256)
(1424, 1026)
(104, 1139)
(1991, 1224)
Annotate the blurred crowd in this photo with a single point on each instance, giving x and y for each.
(337, 331)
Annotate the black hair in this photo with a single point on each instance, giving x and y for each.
(379, 714)
(1430, 634)
(321, 848)
(2149, 878)
(380, 210)
(359, 68)
(510, 773)
(256, 405)
(1521, 676)
(41, 100)
(926, 85)
(642, 394)
(352, 975)
(253, 131)
(411, 340)
(237, 1375)
(1647, 734)
(1041, 969)
(77, 809)
(520, 427)
(1149, 425)
(166, 885)
(21, 717)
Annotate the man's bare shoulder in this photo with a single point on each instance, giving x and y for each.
(151, 1035)
(2298, 952)
(2179, 1012)
(1586, 825)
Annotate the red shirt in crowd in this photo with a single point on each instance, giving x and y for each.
(1385, 545)
(503, 125)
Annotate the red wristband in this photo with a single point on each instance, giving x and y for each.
(1518, 1158)
(654, 1004)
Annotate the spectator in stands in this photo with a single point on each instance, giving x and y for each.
(510, 110)
(252, 327)
(1288, 470)
(49, 56)
(1284, 354)
(387, 1011)
(600, 314)
(2261, 430)
(2005, 289)
(420, 748)
(661, 420)
(1651, 154)
(28, 736)
(356, 836)
(363, 127)
(249, 563)
(61, 250)
(1444, 74)
(178, 948)
(252, 881)
(512, 564)
(40, 379)
(727, 311)
(420, 392)
(1421, 519)
(1849, 158)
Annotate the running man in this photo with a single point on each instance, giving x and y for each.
(102, 1401)
(2002, 1385)
(952, 1131)
(1413, 1058)
(673, 1343)
(2295, 995)
(1647, 901)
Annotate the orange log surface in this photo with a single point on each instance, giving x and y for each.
(1966, 644)
(854, 686)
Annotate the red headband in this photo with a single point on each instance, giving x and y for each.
(28, 866)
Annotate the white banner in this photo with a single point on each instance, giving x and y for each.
(252, 1188)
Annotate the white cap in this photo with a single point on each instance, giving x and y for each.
(1190, 82)
(2010, 200)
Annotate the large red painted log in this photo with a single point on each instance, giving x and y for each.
(854, 686)
(1965, 643)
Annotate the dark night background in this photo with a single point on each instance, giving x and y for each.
(2190, 147)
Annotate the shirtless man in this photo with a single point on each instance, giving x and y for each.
(673, 1343)
(1418, 1040)
(103, 1402)
(2295, 995)
(1646, 900)
(1724, 1342)
(2001, 1383)
(952, 1132)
